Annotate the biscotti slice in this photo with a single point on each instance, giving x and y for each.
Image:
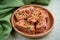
(25, 27)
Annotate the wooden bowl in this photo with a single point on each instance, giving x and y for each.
(51, 20)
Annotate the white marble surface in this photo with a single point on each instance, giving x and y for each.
(54, 7)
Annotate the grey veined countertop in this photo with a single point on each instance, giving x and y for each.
(54, 8)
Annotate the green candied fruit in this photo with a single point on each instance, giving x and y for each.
(28, 28)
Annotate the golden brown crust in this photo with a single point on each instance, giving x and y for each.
(32, 20)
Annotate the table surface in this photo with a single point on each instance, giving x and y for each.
(54, 8)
